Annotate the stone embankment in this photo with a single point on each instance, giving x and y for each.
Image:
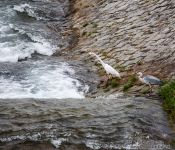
(131, 35)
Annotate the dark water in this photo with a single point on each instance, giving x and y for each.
(42, 97)
(103, 123)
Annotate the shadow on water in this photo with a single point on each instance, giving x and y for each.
(103, 123)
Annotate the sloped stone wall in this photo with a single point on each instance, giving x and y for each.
(136, 35)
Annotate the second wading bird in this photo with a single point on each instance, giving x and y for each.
(149, 80)
(109, 69)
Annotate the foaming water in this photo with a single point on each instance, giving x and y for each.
(41, 14)
(23, 35)
(24, 31)
(25, 8)
(16, 44)
(40, 79)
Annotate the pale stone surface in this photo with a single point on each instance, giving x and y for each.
(129, 31)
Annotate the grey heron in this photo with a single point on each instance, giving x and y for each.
(109, 69)
(149, 80)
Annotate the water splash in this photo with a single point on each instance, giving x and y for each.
(41, 80)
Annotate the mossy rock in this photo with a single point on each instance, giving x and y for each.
(167, 92)
(127, 86)
(120, 68)
(105, 54)
(130, 83)
(113, 83)
(101, 72)
(145, 90)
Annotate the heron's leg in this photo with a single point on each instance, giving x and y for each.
(150, 88)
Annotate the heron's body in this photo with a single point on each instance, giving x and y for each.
(109, 69)
(149, 80)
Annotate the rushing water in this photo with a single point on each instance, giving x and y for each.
(23, 30)
(25, 33)
(103, 123)
(46, 78)
(42, 97)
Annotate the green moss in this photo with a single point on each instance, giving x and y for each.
(114, 83)
(145, 91)
(105, 54)
(93, 24)
(132, 79)
(101, 72)
(127, 86)
(111, 83)
(93, 33)
(167, 92)
(88, 34)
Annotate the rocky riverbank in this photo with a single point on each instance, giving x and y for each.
(129, 35)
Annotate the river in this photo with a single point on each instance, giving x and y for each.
(42, 97)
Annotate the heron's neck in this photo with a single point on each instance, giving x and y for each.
(140, 77)
(101, 61)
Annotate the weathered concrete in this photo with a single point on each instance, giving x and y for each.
(132, 34)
